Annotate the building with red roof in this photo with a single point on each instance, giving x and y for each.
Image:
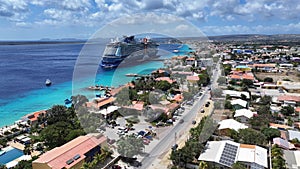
(192, 79)
(168, 79)
(72, 154)
(33, 117)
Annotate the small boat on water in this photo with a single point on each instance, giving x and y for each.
(68, 101)
(131, 75)
(48, 82)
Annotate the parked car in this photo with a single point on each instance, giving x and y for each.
(120, 132)
(175, 146)
(202, 111)
(181, 121)
(194, 122)
(206, 105)
(160, 124)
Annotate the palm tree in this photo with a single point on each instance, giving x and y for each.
(203, 165)
(85, 165)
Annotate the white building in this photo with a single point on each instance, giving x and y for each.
(231, 124)
(236, 94)
(244, 115)
(239, 103)
(292, 159)
(225, 153)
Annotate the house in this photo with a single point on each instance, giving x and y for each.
(292, 159)
(283, 143)
(244, 115)
(236, 94)
(288, 99)
(193, 79)
(168, 79)
(223, 154)
(239, 104)
(292, 134)
(232, 124)
(72, 154)
(264, 67)
(291, 87)
(33, 117)
(190, 61)
(100, 103)
(238, 76)
(279, 126)
(160, 73)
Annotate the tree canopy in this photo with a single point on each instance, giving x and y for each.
(130, 146)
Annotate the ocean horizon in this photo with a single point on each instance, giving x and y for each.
(26, 67)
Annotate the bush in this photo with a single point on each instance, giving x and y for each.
(268, 79)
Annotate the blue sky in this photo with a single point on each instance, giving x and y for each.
(36, 19)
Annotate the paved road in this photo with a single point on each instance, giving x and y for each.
(166, 143)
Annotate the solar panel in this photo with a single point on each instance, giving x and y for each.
(228, 155)
(70, 161)
(77, 156)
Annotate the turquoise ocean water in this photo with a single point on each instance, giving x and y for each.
(14, 108)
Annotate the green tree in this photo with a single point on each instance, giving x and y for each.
(271, 133)
(238, 165)
(287, 110)
(278, 161)
(163, 85)
(222, 80)
(228, 105)
(203, 165)
(247, 82)
(123, 97)
(268, 79)
(78, 101)
(130, 146)
(261, 121)
(251, 136)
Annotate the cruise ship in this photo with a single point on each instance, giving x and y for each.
(128, 51)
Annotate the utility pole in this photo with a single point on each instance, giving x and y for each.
(175, 137)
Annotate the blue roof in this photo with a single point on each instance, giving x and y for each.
(242, 66)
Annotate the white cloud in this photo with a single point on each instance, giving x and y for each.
(259, 29)
(96, 13)
(15, 10)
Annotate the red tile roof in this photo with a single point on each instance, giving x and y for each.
(191, 58)
(192, 78)
(288, 98)
(57, 157)
(264, 65)
(297, 109)
(165, 79)
(34, 116)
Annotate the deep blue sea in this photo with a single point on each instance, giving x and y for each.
(24, 69)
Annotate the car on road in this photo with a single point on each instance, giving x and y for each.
(181, 121)
(189, 103)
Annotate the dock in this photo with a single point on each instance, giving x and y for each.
(100, 88)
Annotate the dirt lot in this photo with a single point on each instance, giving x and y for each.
(293, 75)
